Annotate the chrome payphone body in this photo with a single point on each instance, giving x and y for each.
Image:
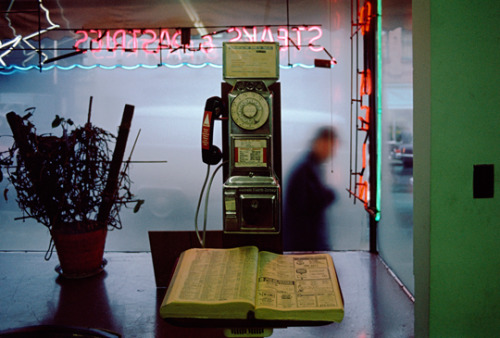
(250, 110)
(251, 190)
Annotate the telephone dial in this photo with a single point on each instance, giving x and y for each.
(249, 109)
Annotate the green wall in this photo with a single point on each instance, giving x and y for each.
(456, 126)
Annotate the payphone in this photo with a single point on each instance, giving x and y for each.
(250, 110)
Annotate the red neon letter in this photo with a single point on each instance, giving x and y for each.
(115, 42)
(82, 40)
(366, 83)
(135, 44)
(299, 36)
(173, 41)
(99, 43)
(365, 122)
(317, 37)
(108, 41)
(363, 191)
(283, 37)
(147, 42)
(238, 34)
(365, 17)
(207, 46)
(251, 37)
(267, 33)
(164, 36)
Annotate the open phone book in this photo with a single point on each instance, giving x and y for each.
(241, 283)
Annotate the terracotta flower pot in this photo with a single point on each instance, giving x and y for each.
(80, 254)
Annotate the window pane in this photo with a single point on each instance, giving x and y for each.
(395, 230)
(168, 110)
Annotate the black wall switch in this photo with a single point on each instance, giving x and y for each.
(483, 181)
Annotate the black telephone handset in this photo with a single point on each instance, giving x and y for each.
(214, 107)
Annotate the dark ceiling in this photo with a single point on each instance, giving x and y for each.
(21, 17)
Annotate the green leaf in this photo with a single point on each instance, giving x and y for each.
(57, 121)
(138, 205)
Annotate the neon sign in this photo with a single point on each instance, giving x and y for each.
(153, 41)
(364, 105)
(9, 45)
(364, 90)
(365, 17)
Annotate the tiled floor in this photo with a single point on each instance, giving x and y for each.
(125, 300)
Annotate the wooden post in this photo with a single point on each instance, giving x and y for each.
(19, 133)
(111, 188)
(34, 165)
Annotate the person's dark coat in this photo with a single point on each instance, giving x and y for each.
(305, 203)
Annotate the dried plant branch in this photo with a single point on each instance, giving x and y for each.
(61, 180)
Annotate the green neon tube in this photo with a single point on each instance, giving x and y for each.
(379, 110)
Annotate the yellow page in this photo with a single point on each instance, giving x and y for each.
(212, 283)
(298, 287)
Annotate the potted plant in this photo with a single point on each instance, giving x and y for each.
(74, 184)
